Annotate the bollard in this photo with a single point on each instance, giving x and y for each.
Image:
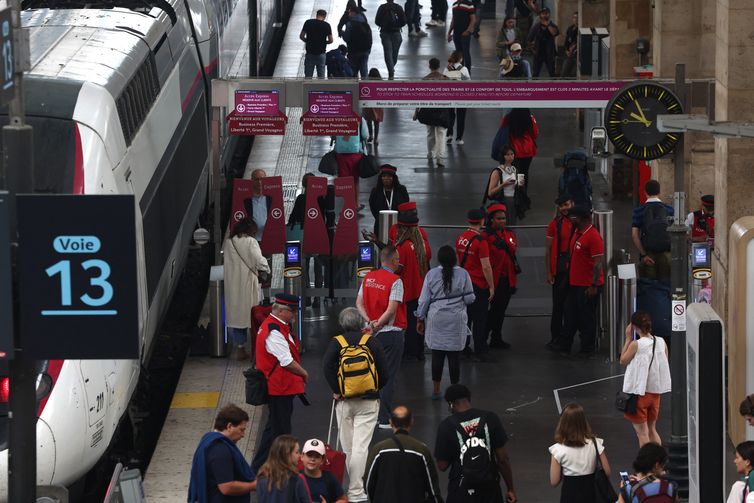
(216, 319)
(613, 332)
(626, 296)
(387, 219)
(603, 222)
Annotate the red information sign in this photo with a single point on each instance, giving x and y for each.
(316, 239)
(273, 236)
(248, 102)
(346, 239)
(330, 103)
(256, 125)
(331, 126)
(243, 189)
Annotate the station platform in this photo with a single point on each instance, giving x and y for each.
(525, 386)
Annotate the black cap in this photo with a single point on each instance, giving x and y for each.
(563, 198)
(708, 200)
(580, 211)
(545, 9)
(287, 299)
(475, 216)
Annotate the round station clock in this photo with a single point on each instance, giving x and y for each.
(631, 120)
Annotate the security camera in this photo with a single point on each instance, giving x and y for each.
(598, 144)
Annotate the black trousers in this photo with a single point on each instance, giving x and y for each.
(559, 295)
(496, 316)
(439, 10)
(546, 56)
(278, 423)
(522, 165)
(413, 344)
(454, 365)
(457, 117)
(581, 315)
(477, 313)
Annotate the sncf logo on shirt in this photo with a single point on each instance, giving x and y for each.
(372, 283)
(578, 245)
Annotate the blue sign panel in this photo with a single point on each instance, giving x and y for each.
(77, 277)
(6, 299)
(7, 84)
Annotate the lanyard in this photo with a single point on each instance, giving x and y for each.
(389, 201)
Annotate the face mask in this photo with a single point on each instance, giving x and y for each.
(516, 57)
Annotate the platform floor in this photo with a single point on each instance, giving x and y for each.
(523, 387)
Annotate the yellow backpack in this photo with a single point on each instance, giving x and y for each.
(357, 373)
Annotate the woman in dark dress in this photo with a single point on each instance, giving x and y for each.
(388, 194)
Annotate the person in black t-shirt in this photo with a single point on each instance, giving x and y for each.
(462, 25)
(323, 485)
(571, 46)
(542, 40)
(316, 34)
(482, 425)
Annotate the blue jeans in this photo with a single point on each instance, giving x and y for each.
(360, 64)
(312, 60)
(239, 335)
(391, 44)
(413, 15)
(463, 44)
(392, 343)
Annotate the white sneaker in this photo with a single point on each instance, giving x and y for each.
(440, 23)
(413, 34)
(459, 141)
(421, 33)
(431, 23)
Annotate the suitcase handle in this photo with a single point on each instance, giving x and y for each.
(329, 429)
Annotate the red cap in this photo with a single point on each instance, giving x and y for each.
(492, 208)
(409, 206)
(388, 168)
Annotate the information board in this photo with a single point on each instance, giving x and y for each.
(250, 102)
(330, 113)
(77, 276)
(256, 113)
(6, 299)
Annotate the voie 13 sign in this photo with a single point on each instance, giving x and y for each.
(77, 276)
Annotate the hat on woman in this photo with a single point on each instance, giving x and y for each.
(406, 207)
(506, 65)
(388, 169)
(495, 207)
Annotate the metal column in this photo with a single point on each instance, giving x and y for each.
(216, 321)
(613, 329)
(387, 219)
(626, 303)
(603, 221)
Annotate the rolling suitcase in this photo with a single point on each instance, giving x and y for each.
(335, 460)
(258, 315)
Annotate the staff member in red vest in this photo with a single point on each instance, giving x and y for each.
(503, 246)
(585, 279)
(557, 257)
(702, 221)
(380, 301)
(278, 354)
(473, 253)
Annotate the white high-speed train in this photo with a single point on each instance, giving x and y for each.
(117, 95)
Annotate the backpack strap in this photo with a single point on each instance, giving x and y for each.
(468, 247)
(341, 340)
(364, 339)
(398, 443)
(638, 489)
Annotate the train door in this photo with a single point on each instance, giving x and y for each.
(141, 265)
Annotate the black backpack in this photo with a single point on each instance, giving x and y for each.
(395, 17)
(575, 179)
(477, 462)
(654, 233)
(361, 37)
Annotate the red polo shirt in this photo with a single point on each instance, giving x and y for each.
(586, 248)
(559, 245)
(478, 249)
(502, 264)
(410, 274)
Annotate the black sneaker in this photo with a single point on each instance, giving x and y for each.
(499, 344)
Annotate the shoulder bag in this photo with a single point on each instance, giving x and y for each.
(262, 276)
(368, 166)
(256, 385)
(626, 402)
(503, 245)
(603, 489)
(328, 164)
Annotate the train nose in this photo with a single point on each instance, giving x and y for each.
(45, 460)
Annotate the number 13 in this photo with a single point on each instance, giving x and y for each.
(64, 269)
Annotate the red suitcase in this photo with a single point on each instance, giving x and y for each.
(335, 461)
(258, 315)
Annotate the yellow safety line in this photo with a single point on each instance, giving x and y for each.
(197, 400)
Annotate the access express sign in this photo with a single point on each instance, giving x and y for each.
(77, 277)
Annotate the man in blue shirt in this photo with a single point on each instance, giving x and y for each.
(257, 204)
(649, 234)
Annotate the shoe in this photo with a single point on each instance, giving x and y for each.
(440, 23)
(440, 163)
(361, 207)
(564, 354)
(431, 23)
(586, 355)
(499, 344)
(476, 34)
(421, 34)
(391, 76)
(459, 141)
(384, 426)
(412, 34)
(369, 140)
(552, 346)
(436, 396)
(449, 141)
(239, 353)
(429, 156)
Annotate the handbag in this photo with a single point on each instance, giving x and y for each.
(603, 489)
(368, 166)
(626, 402)
(256, 385)
(262, 276)
(329, 164)
(501, 139)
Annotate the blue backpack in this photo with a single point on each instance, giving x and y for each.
(575, 178)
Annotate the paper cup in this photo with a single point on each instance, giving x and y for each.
(521, 179)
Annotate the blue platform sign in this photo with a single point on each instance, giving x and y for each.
(7, 84)
(6, 278)
(77, 277)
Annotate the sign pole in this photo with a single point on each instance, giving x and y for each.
(678, 447)
(18, 177)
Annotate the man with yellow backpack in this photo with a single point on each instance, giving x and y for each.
(355, 367)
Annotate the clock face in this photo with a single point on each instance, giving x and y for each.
(631, 120)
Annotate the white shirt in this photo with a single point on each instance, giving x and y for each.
(396, 294)
(640, 378)
(577, 461)
(459, 72)
(277, 346)
(508, 173)
(259, 206)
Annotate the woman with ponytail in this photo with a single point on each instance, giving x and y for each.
(442, 315)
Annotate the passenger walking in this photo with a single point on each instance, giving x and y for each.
(746, 409)
(571, 48)
(256, 206)
(358, 37)
(473, 253)
(471, 442)
(390, 18)
(456, 71)
(647, 376)
(243, 261)
(503, 181)
(437, 120)
(523, 132)
(279, 480)
(278, 356)
(508, 35)
(439, 13)
(514, 67)
(462, 21)
(374, 116)
(388, 193)
(414, 18)
(401, 468)
(574, 456)
(446, 293)
(322, 484)
(219, 471)
(742, 491)
(411, 246)
(380, 301)
(585, 279)
(557, 257)
(357, 397)
(503, 245)
(346, 16)
(316, 34)
(348, 152)
(649, 233)
(647, 479)
(541, 40)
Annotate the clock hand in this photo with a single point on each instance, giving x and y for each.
(641, 113)
(643, 120)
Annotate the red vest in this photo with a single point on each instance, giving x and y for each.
(376, 293)
(410, 275)
(281, 382)
(703, 225)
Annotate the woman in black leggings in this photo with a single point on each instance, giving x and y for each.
(442, 315)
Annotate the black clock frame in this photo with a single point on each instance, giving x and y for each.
(631, 120)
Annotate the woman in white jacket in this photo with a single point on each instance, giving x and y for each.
(243, 262)
(647, 376)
